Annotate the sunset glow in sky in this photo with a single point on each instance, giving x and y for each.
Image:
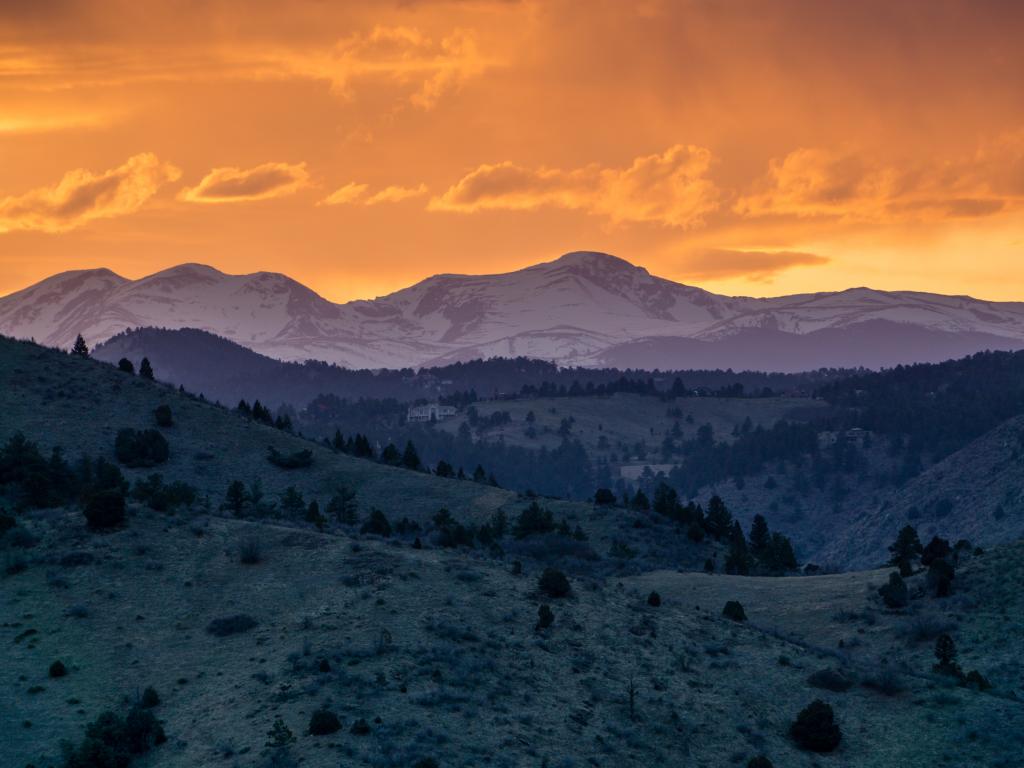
(747, 147)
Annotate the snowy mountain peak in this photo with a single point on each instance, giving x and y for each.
(583, 308)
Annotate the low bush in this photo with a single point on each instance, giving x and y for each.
(105, 510)
(815, 728)
(150, 698)
(654, 600)
(296, 460)
(57, 669)
(377, 523)
(323, 723)
(553, 583)
(895, 593)
(231, 625)
(141, 448)
(163, 497)
(113, 741)
(163, 416)
(545, 617)
(830, 680)
(733, 611)
(250, 551)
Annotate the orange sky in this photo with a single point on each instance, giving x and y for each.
(747, 147)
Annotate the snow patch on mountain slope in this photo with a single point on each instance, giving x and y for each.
(571, 310)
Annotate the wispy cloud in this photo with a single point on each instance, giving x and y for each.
(719, 263)
(236, 185)
(817, 182)
(82, 196)
(670, 188)
(400, 55)
(354, 193)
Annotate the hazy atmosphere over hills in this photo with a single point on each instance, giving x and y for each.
(583, 309)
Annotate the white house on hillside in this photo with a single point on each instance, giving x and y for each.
(430, 412)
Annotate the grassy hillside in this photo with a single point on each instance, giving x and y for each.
(977, 493)
(439, 655)
(624, 420)
(434, 657)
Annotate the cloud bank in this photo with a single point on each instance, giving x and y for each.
(82, 196)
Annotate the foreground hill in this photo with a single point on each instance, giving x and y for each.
(437, 655)
(584, 308)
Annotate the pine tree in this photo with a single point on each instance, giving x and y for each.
(759, 536)
(718, 520)
(410, 458)
(235, 498)
(145, 369)
(905, 550)
(738, 561)
(80, 348)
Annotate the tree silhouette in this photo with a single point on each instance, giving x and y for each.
(80, 348)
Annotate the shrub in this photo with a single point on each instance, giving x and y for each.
(815, 728)
(360, 728)
(760, 762)
(887, 681)
(940, 576)
(323, 723)
(163, 497)
(57, 669)
(377, 523)
(163, 416)
(545, 617)
(831, 680)
(733, 611)
(150, 698)
(895, 593)
(553, 583)
(280, 735)
(977, 681)
(297, 460)
(112, 741)
(533, 520)
(231, 625)
(105, 510)
(124, 365)
(604, 497)
(250, 551)
(654, 599)
(141, 448)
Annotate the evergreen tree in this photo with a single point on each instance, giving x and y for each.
(444, 469)
(145, 369)
(124, 365)
(640, 501)
(779, 556)
(759, 536)
(410, 458)
(390, 455)
(738, 560)
(80, 348)
(905, 550)
(338, 443)
(718, 520)
(343, 506)
(235, 498)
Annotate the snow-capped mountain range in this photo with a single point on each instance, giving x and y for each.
(585, 308)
